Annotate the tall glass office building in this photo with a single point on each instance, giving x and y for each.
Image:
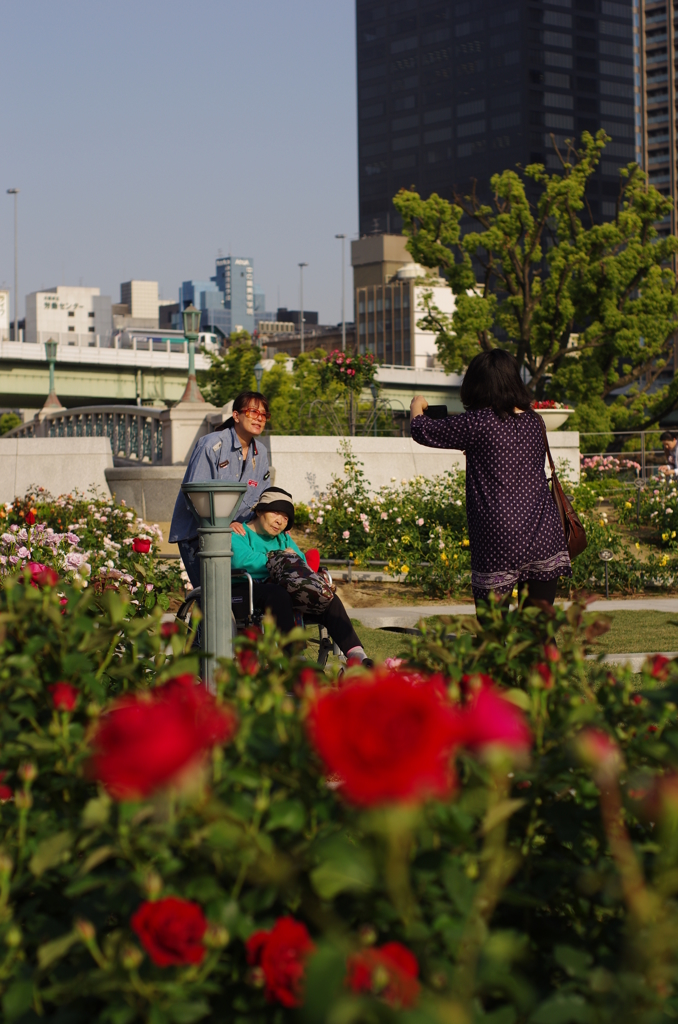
(454, 91)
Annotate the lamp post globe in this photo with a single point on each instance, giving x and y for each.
(214, 503)
(258, 375)
(191, 317)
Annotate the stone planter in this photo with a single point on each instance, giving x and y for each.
(554, 418)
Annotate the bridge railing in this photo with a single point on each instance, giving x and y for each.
(135, 431)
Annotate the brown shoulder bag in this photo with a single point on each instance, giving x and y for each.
(575, 534)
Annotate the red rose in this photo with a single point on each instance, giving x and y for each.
(248, 661)
(492, 720)
(5, 791)
(64, 695)
(281, 953)
(389, 972)
(141, 545)
(168, 629)
(551, 652)
(546, 674)
(659, 666)
(30, 517)
(42, 575)
(599, 751)
(171, 931)
(146, 740)
(387, 737)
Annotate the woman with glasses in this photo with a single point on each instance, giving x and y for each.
(229, 453)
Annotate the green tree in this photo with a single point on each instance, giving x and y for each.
(232, 372)
(8, 421)
(586, 308)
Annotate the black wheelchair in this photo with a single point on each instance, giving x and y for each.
(244, 614)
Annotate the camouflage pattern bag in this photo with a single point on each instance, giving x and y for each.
(310, 591)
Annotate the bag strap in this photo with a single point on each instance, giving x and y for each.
(546, 442)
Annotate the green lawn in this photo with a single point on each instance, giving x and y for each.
(640, 631)
(630, 632)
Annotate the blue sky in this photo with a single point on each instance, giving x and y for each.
(146, 136)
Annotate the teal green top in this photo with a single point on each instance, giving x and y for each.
(249, 552)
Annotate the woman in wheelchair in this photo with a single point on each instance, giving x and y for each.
(266, 532)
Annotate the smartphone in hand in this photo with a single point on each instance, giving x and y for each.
(436, 412)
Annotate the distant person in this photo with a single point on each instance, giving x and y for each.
(515, 530)
(230, 453)
(266, 533)
(670, 446)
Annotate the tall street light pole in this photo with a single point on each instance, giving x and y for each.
(15, 192)
(343, 292)
(301, 301)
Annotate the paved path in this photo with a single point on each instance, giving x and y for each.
(409, 615)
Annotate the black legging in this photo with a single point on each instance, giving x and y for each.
(270, 597)
(534, 590)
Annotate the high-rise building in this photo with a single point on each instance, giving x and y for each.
(459, 90)
(68, 315)
(654, 46)
(142, 299)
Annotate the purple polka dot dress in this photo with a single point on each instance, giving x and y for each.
(514, 526)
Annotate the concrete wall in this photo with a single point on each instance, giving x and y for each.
(61, 464)
(305, 465)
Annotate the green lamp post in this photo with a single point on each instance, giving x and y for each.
(214, 503)
(51, 402)
(191, 331)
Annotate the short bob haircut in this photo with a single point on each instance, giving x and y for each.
(240, 403)
(492, 380)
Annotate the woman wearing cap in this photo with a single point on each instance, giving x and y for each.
(273, 516)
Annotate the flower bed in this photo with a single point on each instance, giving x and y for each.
(483, 833)
(90, 539)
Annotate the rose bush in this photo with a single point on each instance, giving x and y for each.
(89, 538)
(243, 882)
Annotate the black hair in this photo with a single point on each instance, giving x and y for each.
(492, 380)
(240, 403)
(666, 436)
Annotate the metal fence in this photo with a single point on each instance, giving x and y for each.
(135, 431)
(648, 459)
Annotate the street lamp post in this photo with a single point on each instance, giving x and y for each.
(15, 192)
(375, 392)
(301, 301)
(343, 292)
(214, 503)
(191, 332)
(258, 375)
(51, 402)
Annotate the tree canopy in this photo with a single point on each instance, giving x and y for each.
(588, 309)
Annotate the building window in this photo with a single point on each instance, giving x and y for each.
(71, 327)
(91, 329)
(91, 314)
(71, 312)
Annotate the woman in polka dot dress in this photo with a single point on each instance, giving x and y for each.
(515, 532)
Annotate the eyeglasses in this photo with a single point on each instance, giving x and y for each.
(256, 414)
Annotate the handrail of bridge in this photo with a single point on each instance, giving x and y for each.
(135, 431)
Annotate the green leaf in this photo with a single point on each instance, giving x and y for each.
(289, 814)
(40, 743)
(50, 852)
(186, 1013)
(17, 999)
(499, 813)
(563, 1009)
(54, 950)
(344, 867)
(575, 961)
(96, 811)
(97, 857)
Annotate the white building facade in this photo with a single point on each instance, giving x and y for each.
(4, 314)
(68, 315)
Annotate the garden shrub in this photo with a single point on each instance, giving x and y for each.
(92, 538)
(483, 832)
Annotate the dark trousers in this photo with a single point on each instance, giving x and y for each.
(533, 590)
(270, 597)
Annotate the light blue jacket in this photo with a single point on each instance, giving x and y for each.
(218, 456)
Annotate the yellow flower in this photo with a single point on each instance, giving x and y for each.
(627, 504)
(514, 592)
(602, 522)
(665, 560)
(456, 558)
(405, 539)
(665, 536)
(350, 554)
(673, 534)
(444, 557)
(637, 546)
(465, 543)
(404, 569)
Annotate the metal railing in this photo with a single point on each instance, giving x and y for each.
(135, 431)
(648, 459)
